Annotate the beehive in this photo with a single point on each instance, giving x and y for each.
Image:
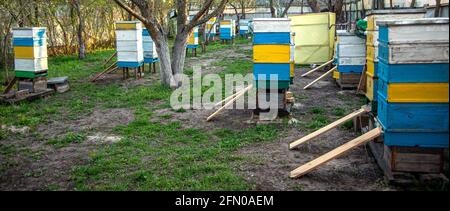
(413, 87)
(372, 43)
(315, 36)
(292, 57)
(193, 39)
(226, 32)
(129, 44)
(30, 52)
(272, 52)
(149, 48)
(233, 28)
(243, 27)
(351, 53)
(211, 27)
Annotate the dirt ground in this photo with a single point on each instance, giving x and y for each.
(270, 162)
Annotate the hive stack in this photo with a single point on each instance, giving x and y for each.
(226, 32)
(30, 52)
(130, 51)
(233, 28)
(413, 85)
(193, 39)
(292, 73)
(351, 58)
(211, 28)
(372, 44)
(243, 27)
(150, 54)
(272, 51)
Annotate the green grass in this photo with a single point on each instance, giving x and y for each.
(69, 138)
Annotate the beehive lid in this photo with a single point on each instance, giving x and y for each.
(420, 21)
(30, 28)
(395, 11)
(344, 33)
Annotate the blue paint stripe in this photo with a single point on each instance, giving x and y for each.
(28, 42)
(145, 33)
(413, 139)
(150, 60)
(129, 64)
(271, 38)
(192, 46)
(350, 68)
(413, 73)
(281, 70)
(383, 35)
(412, 117)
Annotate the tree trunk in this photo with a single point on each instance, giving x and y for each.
(437, 10)
(273, 11)
(286, 10)
(165, 70)
(179, 52)
(314, 6)
(413, 3)
(338, 10)
(80, 30)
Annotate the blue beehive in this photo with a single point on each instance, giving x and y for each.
(413, 82)
(150, 54)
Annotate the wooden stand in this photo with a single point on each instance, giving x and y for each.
(349, 80)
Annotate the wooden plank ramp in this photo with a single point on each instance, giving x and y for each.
(308, 167)
(317, 68)
(321, 77)
(242, 93)
(363, 110)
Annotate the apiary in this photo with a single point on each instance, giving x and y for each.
(30, 52)
(413, 84)
(129, 44)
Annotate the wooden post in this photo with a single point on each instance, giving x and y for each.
(308, 167)
(318, 68)
(363, 110)
(320, 78)
(229, 103)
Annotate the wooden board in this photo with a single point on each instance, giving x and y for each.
(308, 167)
(318, 68)
(320, 78)
(363, 110)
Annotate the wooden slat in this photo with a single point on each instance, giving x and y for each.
(321, 77)
(229, 103)
(308, 167)
(106, 71)
(10, 85)
(110, 58)
(318, 68)
(229, 98)
(362, 83)
(363, 110)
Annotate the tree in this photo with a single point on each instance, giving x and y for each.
(153, 14)
(314, 5)
(275, 8)
(80, 30)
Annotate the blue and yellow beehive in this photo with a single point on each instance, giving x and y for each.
(226, 30)
(413, 90)
(272, 44)
(30, 52)
(193, 39)
(373, 44)
(211, 27)
(150, 54)
(129, 44)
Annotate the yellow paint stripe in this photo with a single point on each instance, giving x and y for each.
(126, 26)
(23, 52)
(418, 93)
(371, 23)
(225, 23)
(271, 54)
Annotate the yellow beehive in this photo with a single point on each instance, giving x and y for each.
(315, 36)
(271, 54)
